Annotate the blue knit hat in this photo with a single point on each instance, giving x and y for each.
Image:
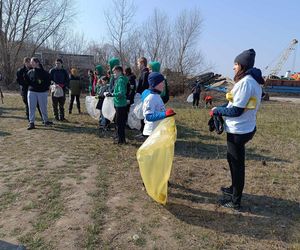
(246, 58)
(154, 79)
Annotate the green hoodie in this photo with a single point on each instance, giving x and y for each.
(120, 91)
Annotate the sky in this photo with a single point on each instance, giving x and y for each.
(229, 27)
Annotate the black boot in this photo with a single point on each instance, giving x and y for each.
(30, 126)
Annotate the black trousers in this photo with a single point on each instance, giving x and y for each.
(58, 102)
(236, 160)
(196, 98)
(25, 100)
(121, 117)
(72, 101)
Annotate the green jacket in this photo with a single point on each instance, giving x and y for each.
(120, 91)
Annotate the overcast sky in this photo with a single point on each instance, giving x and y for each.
(229, 27)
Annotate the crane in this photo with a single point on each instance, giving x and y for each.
(283, 57)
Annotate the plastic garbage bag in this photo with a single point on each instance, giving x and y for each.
(108, 108)
(138, 106)
(155, 158)
(190, 98)
(90, 104)
(133, 121)
(56, 90)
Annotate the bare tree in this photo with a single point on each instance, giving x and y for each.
(24, 22)
(157, 36)
(187, 31)
(75, 43)
(119, 23)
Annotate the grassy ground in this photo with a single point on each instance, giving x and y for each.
(69, 187)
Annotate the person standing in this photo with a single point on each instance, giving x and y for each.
(240, 122)
(120, 102)
(60, 77)
(38, 87)
(196, 90)
(22, 80)
(75, 90)
(131, 87)
(143, 77)
(153, 106)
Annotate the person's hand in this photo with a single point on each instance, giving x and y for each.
(109, 95)
(170, 112)
(211, 112)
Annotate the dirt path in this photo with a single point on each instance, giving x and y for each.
(285, 99)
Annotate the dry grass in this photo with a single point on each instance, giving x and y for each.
(69, 187)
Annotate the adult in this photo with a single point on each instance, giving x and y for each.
(196, 90)
(131, 87)
(143, 77)
(75, 90)
(22, 80)
(59, 76)
(38, 87)
(142, 85)
(97, 75)
(240, 122)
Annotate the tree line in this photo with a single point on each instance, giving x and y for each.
(27, 26)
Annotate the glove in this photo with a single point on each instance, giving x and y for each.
(213, 111)
(170, 112)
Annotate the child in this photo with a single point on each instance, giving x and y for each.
(120, 102)
(208, 99)
(101, 87)
(153, 106)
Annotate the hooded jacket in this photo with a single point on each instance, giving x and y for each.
(38, 80)
(120, 91)
(112, 63)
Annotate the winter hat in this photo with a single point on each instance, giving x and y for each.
(154, 66)
(154, 79)
(246, 58)
(113, 62)
(99, 69)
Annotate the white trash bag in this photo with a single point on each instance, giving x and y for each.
(56, 90)
(133, 121)
(108, 109)
(90, 104)
(190, 98)
(138, 106)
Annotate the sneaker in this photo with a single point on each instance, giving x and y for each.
(30, 126)
(227, 190)
(48, 123)
(230, 204)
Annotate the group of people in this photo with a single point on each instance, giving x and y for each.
(123, 85)
(35, 83)
(238, 115)
(196, 92)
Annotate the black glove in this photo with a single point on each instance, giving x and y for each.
(216, 123)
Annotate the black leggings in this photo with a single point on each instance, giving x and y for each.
(236, 160)
(72, 101)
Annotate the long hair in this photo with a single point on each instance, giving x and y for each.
(36, 60)
(240, 74)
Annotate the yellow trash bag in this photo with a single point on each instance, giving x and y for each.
(250, 105)
(155, 158)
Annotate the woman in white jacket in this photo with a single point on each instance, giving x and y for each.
(239, 116)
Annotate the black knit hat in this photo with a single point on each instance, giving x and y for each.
(246, 58)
